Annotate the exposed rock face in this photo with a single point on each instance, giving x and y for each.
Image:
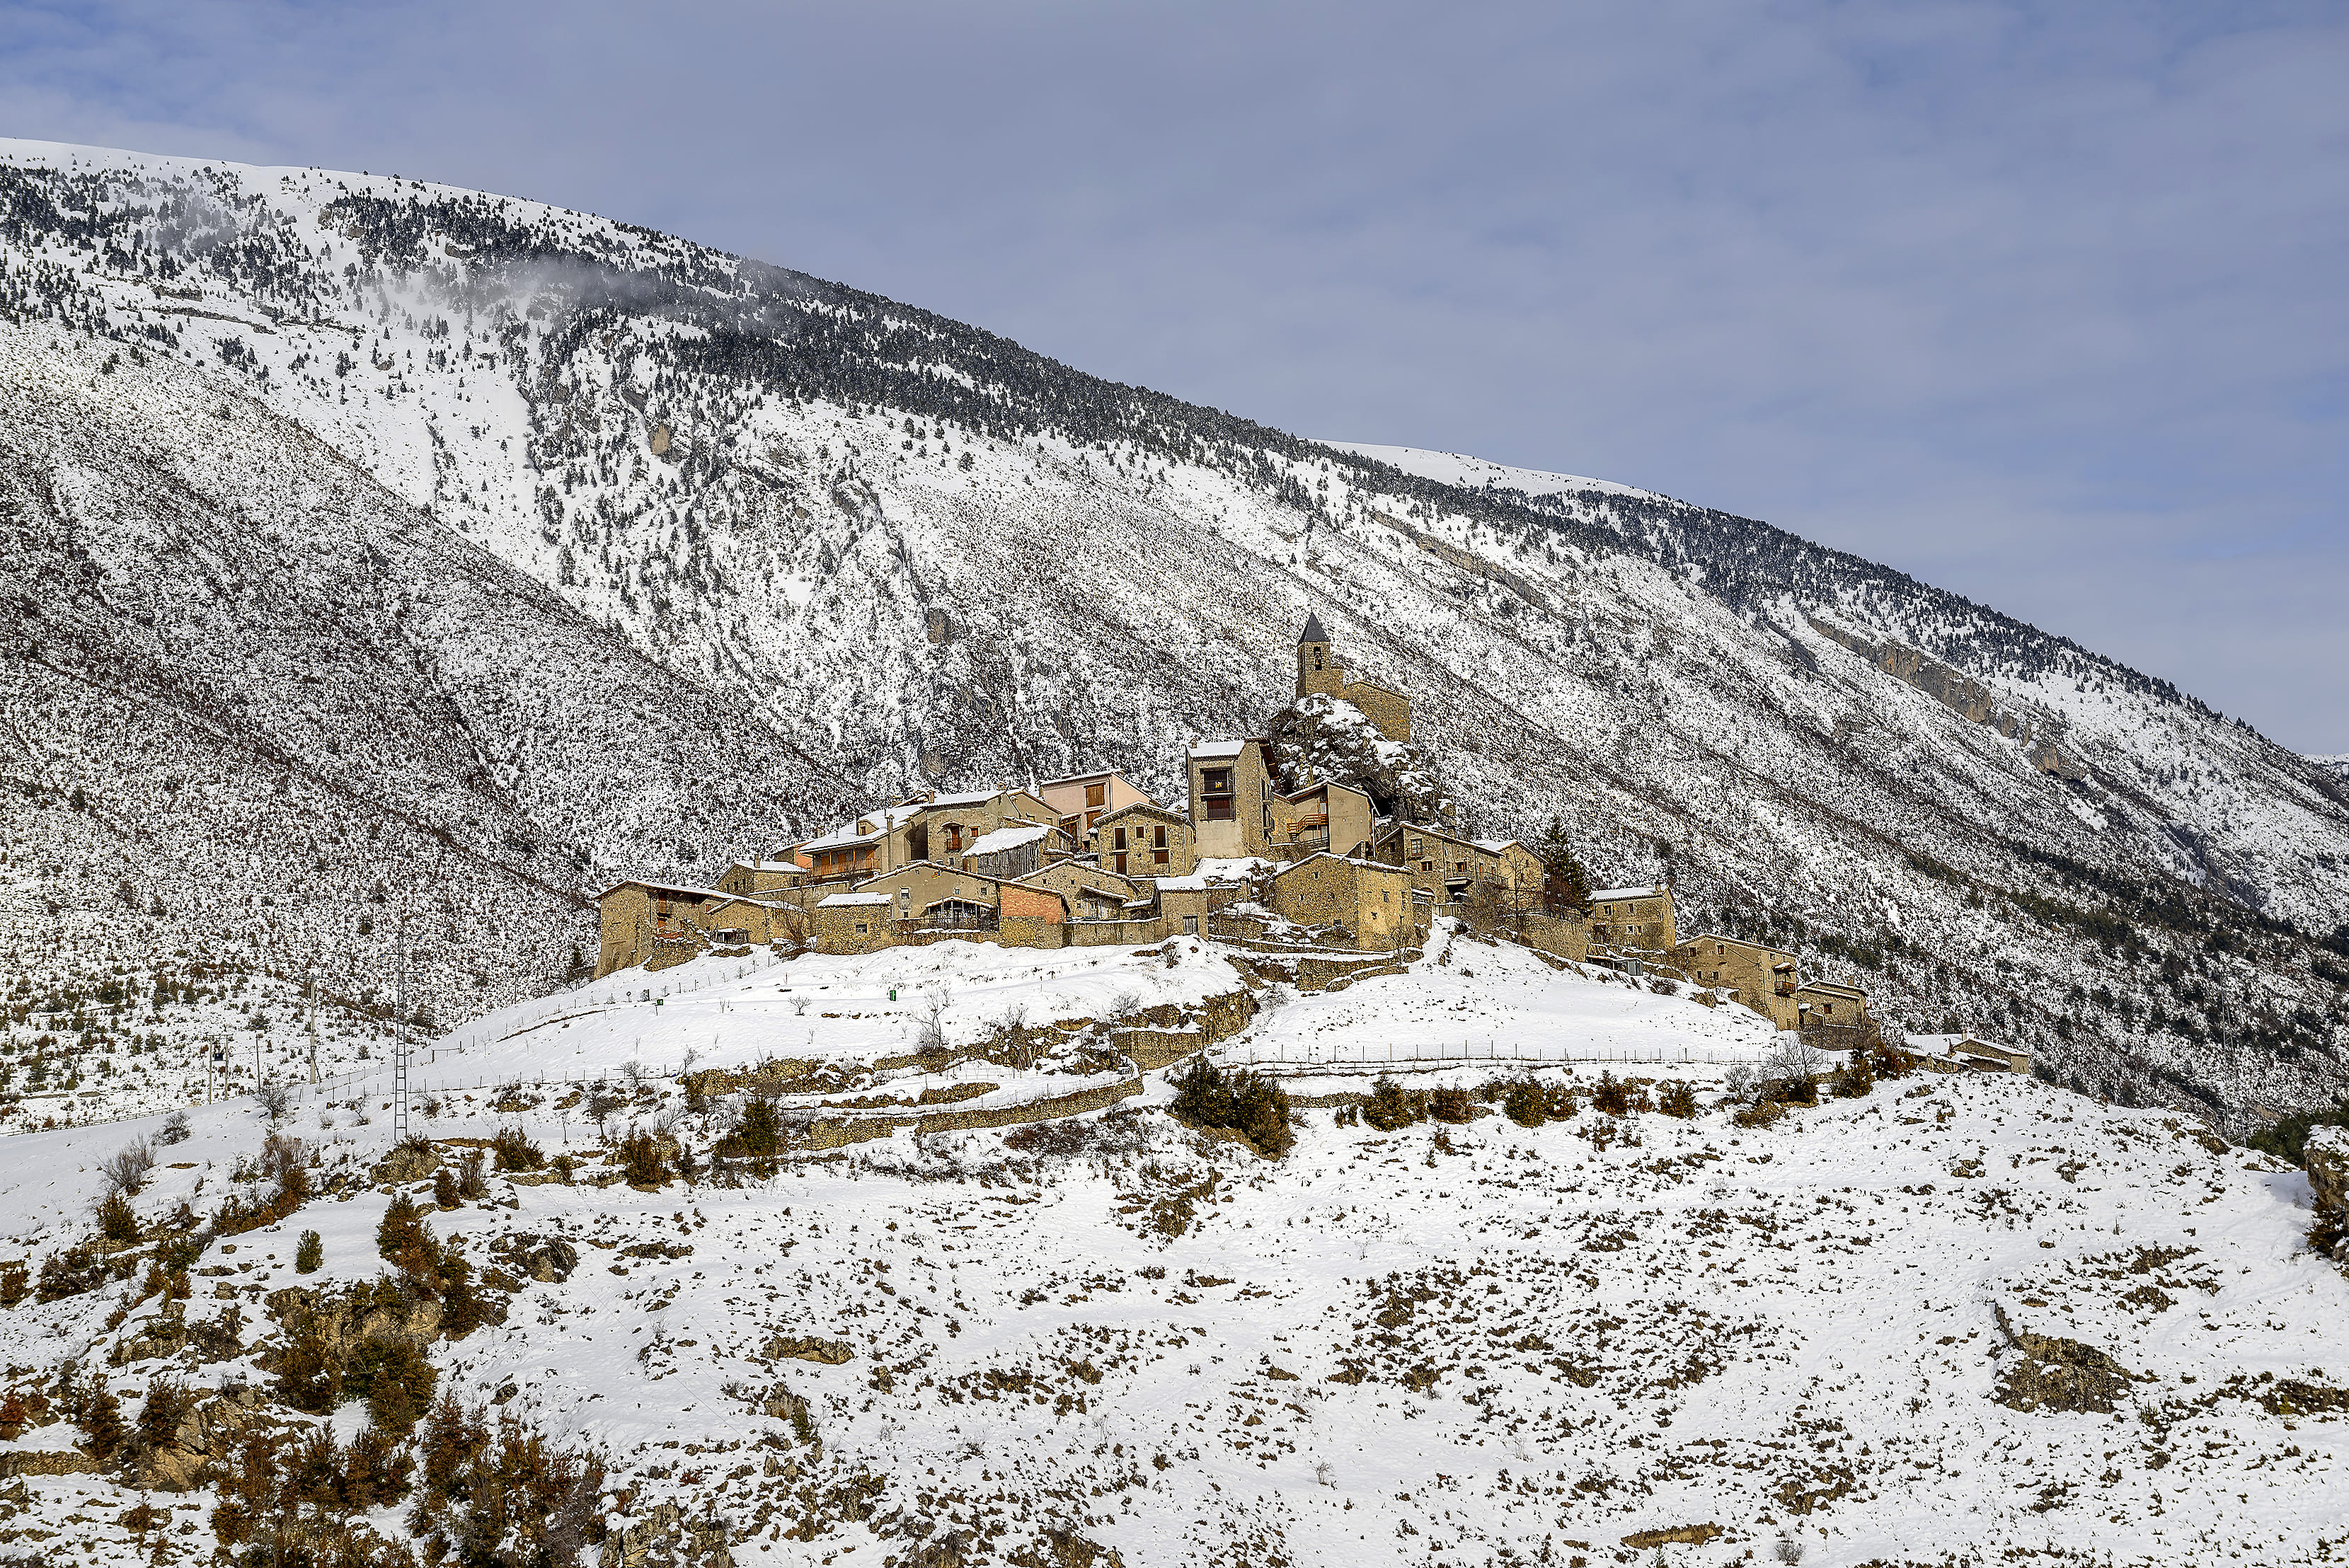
(2059, 1375)
(408, 1163)
(666, 1539)
(204, 1434)
(831, 1352)
(2326, 1157)
(1320, 739)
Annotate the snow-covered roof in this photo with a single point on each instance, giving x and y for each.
(1626, 892)
(1209, 750)
(1343, 860)
(664, 887)
(1003, 839)
(1239, 868)
(846, 839)
(857, 898)
(770, 865)
(966, 798)
(1495, 846)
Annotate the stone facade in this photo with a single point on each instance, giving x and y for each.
(1763, 978)
(1147, 840)
(1230, 800)
(1833, 1005)
(1637, 921)
(1320, 671)
(746, 879)
(1335, 818)
(1080, 801)
(1371, 901)
(638, 918)
(1443, 864)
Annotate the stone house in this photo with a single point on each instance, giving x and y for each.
(933, 827)
(1146, 840)
(1636, 922)
(1972, 1051)
(1230, 800)
(636, 918)
(1080, 801)
(1014, 851)
(1091, 890)
(1321, 672)
(1763, 978)
(1372, 900)
(1337, 818)
(746, 879)
(929, 898)
(1826, 1004)
(1443, 864)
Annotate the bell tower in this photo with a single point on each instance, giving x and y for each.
(1317, 669)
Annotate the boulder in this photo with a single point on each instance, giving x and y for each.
(408, 1162)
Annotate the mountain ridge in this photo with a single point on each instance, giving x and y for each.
(919, 555)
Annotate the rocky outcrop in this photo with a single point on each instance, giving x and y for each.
(2059, 1375)
(665, 1538)
(2326, 1157)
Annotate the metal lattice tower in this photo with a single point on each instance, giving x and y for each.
(399, 1056)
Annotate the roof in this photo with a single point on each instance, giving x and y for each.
(1833, 986)
(666, 887)
(1342, 860)
(766, 866)
(1212, 748)
(845, 839)
(1314, 632)
(1003, 839)
(1232, 869)
(1628, 892)
(1149, 808)
(1325, 785)
(967, 797)
(1495, 846)
(1736, 940)
(881, 898)
(1080, 777)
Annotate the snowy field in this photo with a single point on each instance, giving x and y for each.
(1447, 1344)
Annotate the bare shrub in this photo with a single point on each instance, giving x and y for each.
(275, 1097)
(174, 1131)
(125, 1169)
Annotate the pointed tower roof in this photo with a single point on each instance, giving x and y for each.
(1314, 632)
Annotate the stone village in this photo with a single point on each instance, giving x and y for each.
(1093, 860)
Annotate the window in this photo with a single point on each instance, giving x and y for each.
(860, 928)
(1160, 857)
(1215, 781)
(1096, 794)
(1117, 838)
(1158, 837)
(1219, 809)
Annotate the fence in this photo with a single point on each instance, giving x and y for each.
(1296, 1057)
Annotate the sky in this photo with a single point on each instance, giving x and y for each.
(2042, 304)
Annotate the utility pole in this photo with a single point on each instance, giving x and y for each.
(311, 980)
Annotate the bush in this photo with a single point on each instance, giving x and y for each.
(1526, 1104)
(404, 1241)
(1610, 1097)
(1249, 1103)
(1451, 1105)
(174, 1128)
(760, 1134)
(116, 1219)
(516, 1152)
(275, 1099)
(1853, 1079)
(2287, 1138)
(444, 1187)
(125, 1171)
(102, 1427)
(309, 1254)
(167, 1405)
(1391, 1108)
(640, 1156)
(396, 1382)
(1678, 1100)
(470, 1182)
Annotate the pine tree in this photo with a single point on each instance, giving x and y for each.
(1565, 884)
(102, 1427)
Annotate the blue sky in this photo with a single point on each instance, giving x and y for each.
(2043, 303)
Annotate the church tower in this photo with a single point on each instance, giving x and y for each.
(1317, 670)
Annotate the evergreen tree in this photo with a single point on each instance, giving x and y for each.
(1565, 884)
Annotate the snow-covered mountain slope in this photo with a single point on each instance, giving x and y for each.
(894, 550)
(1958, 1319)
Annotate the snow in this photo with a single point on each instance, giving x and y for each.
(1626, 892)
(1219, 748)
(1445, 1344)
(1003, 839)
(1476, 473)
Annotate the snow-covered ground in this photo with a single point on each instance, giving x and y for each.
(1444, 1345)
